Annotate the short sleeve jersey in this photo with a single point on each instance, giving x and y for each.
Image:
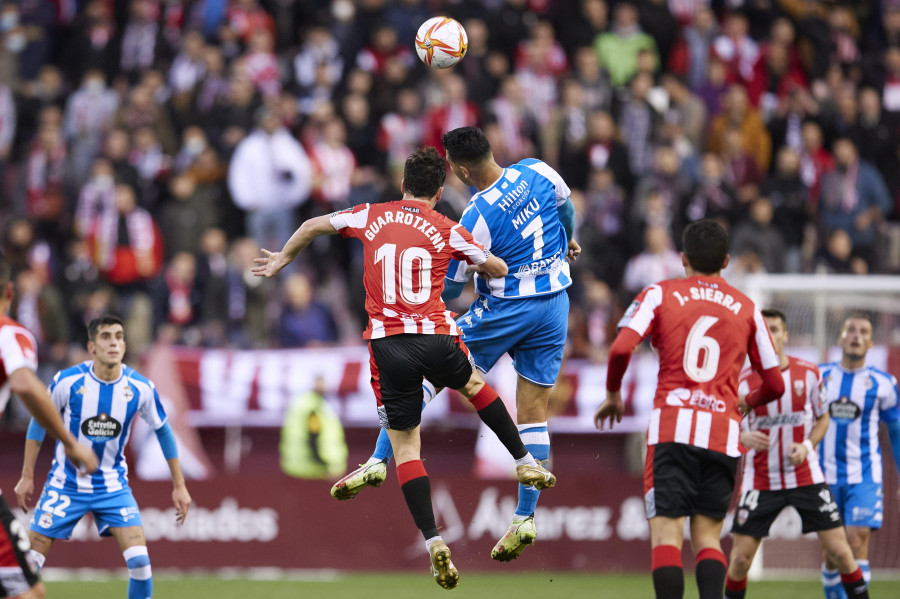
(516, 218)
(787, 421)
(858, 401)
(18, 349)
(407, 248)
(703, 329)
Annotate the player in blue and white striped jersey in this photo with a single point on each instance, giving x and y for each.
(859, 398)
(99, 400)
(522, 214)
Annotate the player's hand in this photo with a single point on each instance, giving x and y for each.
(24, 490)
(82, 456)
(182, 500)
(755, 440)
(743, 406)
(270, 265)
(797, 453)
(574, 251)
(613, 409)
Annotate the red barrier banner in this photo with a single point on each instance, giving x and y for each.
(586, 523)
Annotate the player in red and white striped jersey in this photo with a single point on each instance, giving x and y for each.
(782, 469)
(703, 329)
(18, 361)
(407, 248)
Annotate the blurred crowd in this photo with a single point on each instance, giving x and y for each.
(149, 148)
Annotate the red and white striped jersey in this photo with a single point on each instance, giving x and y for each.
(786, 421)
(407, 247)
(17, 350)
(703, 329)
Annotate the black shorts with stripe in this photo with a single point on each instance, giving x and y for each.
(17, 575)
(757, 509)
(684, 480)
(400, 362)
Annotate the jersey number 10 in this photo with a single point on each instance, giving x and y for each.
(415, 266)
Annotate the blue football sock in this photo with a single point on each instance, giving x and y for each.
(831, 582)
(864, 566)
(537, 441)
(140, 579)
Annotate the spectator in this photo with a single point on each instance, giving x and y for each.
(685, 109)
(511, 115)
(658, 261)
(604, 227)
(741, 171)
(713, 90)
(186, 216)
(582, 24)
(7, 131)
(760, 236)
(89, 115)
(138, 50)
(246, 18)
(44, 170)
(385, 47)
(736, 48)
(606, 150)
(639, 121)
(177, 299)
(39, 306)
(453, 111)
(304, 321)
(269, 176)
(594, 80)
(792, 209)
(815, 160)
(189, 66)
(738, 114)
(260, 65)
(400, 132)
(667, 181)
(837, 257)
(334, 167)
(97, 197)
(698, 38)
(319, 62)
(712, 198)
(618, 49)
(854, 198)
(564, 139)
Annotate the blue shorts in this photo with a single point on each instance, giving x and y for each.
(861, 504)
(57, 511)
(531, 330)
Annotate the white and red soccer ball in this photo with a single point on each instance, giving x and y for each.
(441, 42)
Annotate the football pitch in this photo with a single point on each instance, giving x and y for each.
(414, 586)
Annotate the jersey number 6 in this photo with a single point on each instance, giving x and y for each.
(705, 371)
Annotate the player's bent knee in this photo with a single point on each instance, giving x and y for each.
(138, 560)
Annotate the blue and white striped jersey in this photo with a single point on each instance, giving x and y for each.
(516, 219)
(857, 401)
(100, 414)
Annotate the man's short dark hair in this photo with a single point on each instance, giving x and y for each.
(466, 145)
(858, 315)
(5, 273)
(424, 173)
(705, 244)
(102, 321)
(775, 313)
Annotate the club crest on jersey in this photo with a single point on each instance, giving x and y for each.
(844, 409)
(798, 387)
(46, 520)
(101, 428)
(128, 393)
(868, 384)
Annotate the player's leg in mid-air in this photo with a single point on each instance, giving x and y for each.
(18, 574)
(398, 365)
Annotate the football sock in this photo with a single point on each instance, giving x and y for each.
(417, 491)
(494, 414)
(668, 576)
(855, 584)
(831, 582)
(712, 566)
(37, 558)
(864, 566)
(383, 450)
(735, 589)
(140, 579)
(537, 441)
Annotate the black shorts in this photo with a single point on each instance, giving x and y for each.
(683, 480)
(758, 509)
(16, 574)
(400, 362)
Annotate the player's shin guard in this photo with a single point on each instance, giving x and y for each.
(417, 491)
(855, 585)
(867, 573)
(537, 441)
(735, 589)
(140, 579)
(494, 414)
(36, 558)
(668, 575)
(831, 583)
(712, 566)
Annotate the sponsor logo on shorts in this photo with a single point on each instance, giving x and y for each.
(101, 428)
(650, 503)
(382, 417)
(844, 409)
(129, 513)
(742, 516)
(828, 503)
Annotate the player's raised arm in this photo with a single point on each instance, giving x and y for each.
(33, 393)
(273, 262)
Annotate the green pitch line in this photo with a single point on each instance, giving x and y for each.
(415, 586)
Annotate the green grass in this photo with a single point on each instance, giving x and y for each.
(415, 586)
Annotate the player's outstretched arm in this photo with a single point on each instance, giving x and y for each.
(772, 388)
(493, 267)
(34, 394)
(273, 262)
(25, 487)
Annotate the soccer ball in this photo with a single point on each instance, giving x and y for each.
(441, 42)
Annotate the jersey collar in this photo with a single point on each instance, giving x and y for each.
(494, 184)
(101, 381)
